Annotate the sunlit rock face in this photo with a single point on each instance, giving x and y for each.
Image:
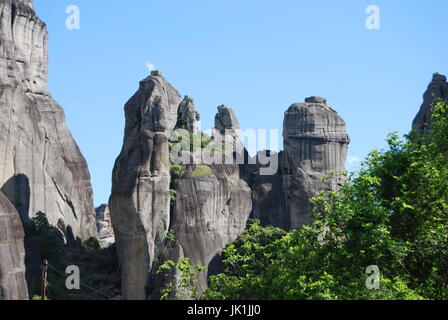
(140, 200)
(437, 91)
(211, 207)
(12, 253)
(42, 167)
(315, 144)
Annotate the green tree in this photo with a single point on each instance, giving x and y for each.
(393, 213)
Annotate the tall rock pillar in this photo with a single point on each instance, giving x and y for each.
(140, 200)
(315, 143)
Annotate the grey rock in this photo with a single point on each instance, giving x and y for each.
(437, 90)
(315, 143)
(12, 253)
(268, 196)
(104, 226)
(226, 119)
(315, 99)
(42, 166)
(186, 115)
(211, 210)
(140, 200)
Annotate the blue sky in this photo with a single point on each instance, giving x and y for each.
(256, 56)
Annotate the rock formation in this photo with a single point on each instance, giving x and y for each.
(212, 206)
(213, 203)
(437, 90)
(104, 226)
(140, 200)
(315, 143)
(187, 116)
(42, 167)
(12, 253)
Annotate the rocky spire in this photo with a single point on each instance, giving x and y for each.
(225, 119)
(437, 90)
(140, 200)
(151, 223)
(315, 143)
(187, 115)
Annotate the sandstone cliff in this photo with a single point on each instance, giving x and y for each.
(42, 168)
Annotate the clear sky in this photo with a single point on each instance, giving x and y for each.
(256, 56)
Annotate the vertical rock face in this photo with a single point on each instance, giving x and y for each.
(104, 226)
(42, 168)
(212, 207)
(315, 143)
(12, 253)
(140, 200)
(269, 203)
(437, 89)
(187, 116)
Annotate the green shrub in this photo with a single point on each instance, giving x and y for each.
(202, 170)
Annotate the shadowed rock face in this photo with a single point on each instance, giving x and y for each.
(437, 90)
(12, 253)
(42, 167)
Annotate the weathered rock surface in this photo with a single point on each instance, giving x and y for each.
(42, 168)
(212, 206)
(140, 200)
(187, 116)
(104, 226)
(211, 210)
(315, 143)
(437, 90)
(12, 253)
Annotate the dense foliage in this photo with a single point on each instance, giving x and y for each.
(392, 214)
(99, 270)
